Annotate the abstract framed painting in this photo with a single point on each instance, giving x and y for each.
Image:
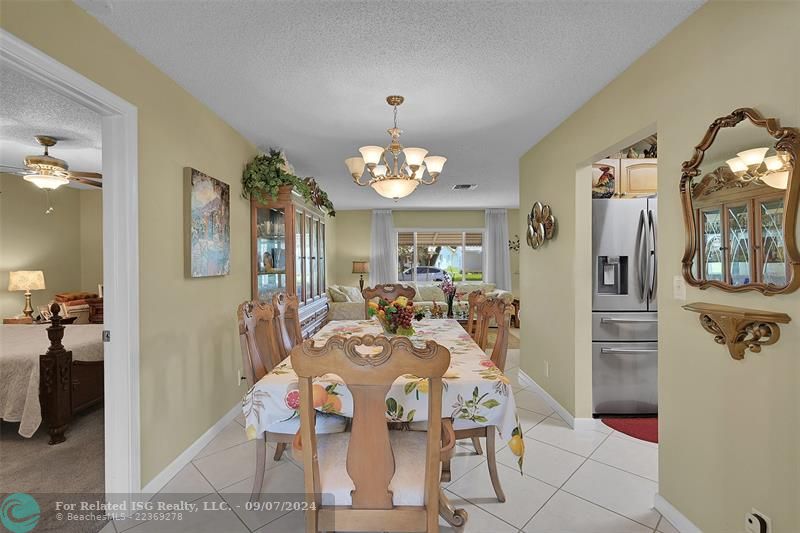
(207, 206)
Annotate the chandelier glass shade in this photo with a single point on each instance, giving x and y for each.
(382, 168)
(753, 165)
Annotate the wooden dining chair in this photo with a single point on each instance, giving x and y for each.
(488, 311)
(287, 322)
(388, 292)
(371, 479)
(258, 338)
(474, 299)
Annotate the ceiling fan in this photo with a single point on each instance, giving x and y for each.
(48, 172)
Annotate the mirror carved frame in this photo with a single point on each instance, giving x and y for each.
(787, 140)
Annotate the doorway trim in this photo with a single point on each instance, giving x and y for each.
(120, 252)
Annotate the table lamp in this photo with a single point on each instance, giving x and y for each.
(26, 280)
(361, 267)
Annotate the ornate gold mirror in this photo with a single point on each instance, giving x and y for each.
(740, 199)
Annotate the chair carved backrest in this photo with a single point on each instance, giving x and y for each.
(494, 309)
(287, 322)
(370, 460)
(388, 292)
(474, 299)
(257, 338)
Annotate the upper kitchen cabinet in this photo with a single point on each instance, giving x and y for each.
(638, 177)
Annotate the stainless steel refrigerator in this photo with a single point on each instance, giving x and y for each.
(624, 307)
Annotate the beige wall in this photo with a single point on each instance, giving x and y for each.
(729, 430)
(31, 240)
(66, 245)
(353, 230)
(189, 353)
(91, 205)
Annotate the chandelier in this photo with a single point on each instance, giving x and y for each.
(387, 175)
(752, 165)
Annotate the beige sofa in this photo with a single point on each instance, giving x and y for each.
(346, 303)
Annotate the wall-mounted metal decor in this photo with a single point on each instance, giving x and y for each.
(739, 329)
(740, 208)
(541, 225)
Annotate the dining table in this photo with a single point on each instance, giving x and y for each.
(475, 390)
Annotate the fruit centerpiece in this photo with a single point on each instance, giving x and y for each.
(395, 317)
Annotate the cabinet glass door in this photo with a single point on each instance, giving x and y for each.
(298, 254)
(270, 260)
(322, 285)
(711, 242)
(738, 221)
(773, 253)
(314, 258)
(307, 281)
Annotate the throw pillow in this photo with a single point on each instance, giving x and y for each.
(353, 294)
(337, 295)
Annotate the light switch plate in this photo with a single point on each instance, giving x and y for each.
(679, 288)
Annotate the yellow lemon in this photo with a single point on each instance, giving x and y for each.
(422, 386)
(516, 445)
(401, 301)
(250, 432)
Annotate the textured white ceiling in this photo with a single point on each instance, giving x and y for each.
(28, 108)
(483, 81)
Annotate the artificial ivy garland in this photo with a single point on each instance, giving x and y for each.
(266, 173)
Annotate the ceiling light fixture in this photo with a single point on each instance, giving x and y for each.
(47, 172)
(394, 179)
(752, 165)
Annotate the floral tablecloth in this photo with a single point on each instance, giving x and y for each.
(475, 391)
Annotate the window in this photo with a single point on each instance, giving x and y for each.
(428, 255)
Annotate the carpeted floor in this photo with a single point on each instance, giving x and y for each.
(75, 466)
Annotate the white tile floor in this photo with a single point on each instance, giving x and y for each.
(573, 482)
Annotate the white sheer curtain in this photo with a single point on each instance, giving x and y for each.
(498, 258)
(383, 253)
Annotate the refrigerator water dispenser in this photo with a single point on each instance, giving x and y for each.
(612, 274)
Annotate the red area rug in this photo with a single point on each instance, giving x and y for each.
(638, 428)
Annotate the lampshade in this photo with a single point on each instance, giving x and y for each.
(355, 165)
(420, 172)
(371, 154)
(379, 170)
(46, 181)
(774, 162)
(360, 267)
(753, 157)
(26, 280)
(737, 165)
(414, 156)
(395, 188)
(435, 163)
(777, 180)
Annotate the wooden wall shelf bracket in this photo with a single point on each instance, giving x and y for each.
(739, 329)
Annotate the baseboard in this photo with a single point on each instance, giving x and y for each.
(163, 477)
(675, 517)
(552, 402)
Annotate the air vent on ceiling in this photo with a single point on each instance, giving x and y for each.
(465, 187)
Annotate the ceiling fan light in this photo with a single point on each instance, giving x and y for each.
(395, 188)
(371, 154)
(355, 165)
(46, 181)
(753, 157)
(737, 165)
(415, 156)
(435, 163)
